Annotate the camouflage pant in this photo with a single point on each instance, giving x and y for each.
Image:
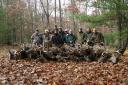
(47, 45)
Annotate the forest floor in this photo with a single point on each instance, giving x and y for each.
(31, 72)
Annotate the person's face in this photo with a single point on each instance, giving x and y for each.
(70, 32)
(60, 29)
(80, 30)
(89, 30)
(55, 26)
(47, 32)
(94, 30)
(36, 31)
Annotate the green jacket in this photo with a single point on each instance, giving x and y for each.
(70, 38)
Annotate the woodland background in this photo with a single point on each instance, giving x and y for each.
(19, 18)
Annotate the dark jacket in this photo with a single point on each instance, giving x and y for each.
(62, 34)
(57, 40)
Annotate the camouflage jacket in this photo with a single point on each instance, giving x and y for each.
(80, 37)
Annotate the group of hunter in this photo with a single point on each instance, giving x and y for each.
(57, 37)
(64, 44)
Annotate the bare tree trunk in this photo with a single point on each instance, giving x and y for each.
(34, 15)
(55, 11)
(46, 11)
(60, 10)
(48, 21)
(74, 23)
(119, 27)
(35, 7)
(7, 23)
(31, 16)
(21, 26)
(42, 16)
(1, 34)
(1, 4)
(119, 22)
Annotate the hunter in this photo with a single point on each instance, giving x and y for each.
(46, 37)
(37, 38)
(61, 33)
(80, 36)
(88, 36)
(97, 37)
(70, 38)
(98, 44)
(56, 39)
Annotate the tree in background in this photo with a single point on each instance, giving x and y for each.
(19, 18)
(107, 12)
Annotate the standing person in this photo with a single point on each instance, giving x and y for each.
(57, 39)
(70, 38)
(37, 38)
(56, 28)
(88, 36)
(98, 47)
(61, 33)
(80, 36)
(51, 33)
(46, 39)
(66, 32)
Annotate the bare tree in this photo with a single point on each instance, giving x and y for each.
(30, 15)
(55, 11)
(46, 11)
(1, 3)
(60, 11)
(73, 4)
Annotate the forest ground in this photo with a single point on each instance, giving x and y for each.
(32, 72)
